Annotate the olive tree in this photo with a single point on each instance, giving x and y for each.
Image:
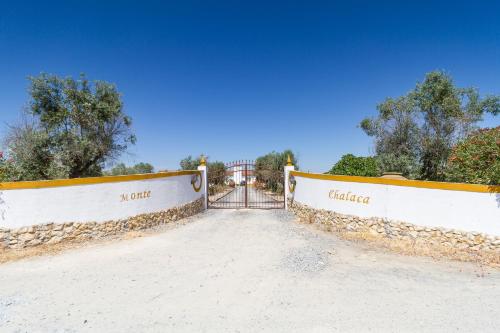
(122, 169)
(414, 133)
(269, 169)
(76, 126)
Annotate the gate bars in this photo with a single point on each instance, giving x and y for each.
(246, 187)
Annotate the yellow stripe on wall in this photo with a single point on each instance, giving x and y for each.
(407, 183)
(91, 180)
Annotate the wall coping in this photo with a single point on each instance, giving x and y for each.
(406, 183)
(91, 180)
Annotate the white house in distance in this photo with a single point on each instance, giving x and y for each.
(238, 174)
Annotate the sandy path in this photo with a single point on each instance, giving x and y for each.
(244, 271)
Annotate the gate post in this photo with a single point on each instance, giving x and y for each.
(204, 178)
(288, 167)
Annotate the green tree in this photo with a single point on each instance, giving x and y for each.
(122, 169)
(216, 173)
(396, 135)
(29, 154)
(476, 159)
(269, 169)
(76, 127)
(356, 166)
(414, 133)
(190, 163)
(216, 170)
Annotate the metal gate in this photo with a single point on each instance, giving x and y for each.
(246, 186)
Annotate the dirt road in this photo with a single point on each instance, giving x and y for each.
(244, 271)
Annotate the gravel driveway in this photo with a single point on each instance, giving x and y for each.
(244, 271)
(256, 199)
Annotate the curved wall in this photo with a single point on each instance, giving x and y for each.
(466, 207)
(96, 199)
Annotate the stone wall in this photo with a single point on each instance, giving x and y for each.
(437, 238)
(55, 233)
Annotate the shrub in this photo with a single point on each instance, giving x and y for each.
(476, 159)
(355, 166)
(216, 188)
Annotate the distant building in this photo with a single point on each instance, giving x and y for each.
(238, 174)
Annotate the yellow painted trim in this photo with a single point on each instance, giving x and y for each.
(407, 183)
(91, 180)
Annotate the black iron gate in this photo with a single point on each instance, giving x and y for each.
(246, 185)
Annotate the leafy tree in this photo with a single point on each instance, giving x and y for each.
(476, 159)
(190, 163)
(78, 126)
(216, 170)
(5, 169)
(396, 135)
(414, 133)
(216, 173)
(356, 166)
(29, 154)
(122, 169)
(269, 169)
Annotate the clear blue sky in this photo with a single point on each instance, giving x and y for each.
(235, 80)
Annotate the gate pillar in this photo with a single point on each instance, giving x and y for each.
(204, 178)
(288, 167)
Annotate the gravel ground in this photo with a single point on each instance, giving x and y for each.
(244, 271)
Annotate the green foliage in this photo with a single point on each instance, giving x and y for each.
(216, 173)
(75, 127)
(356, 166)
(122, 169)
(476, 159)
(29, 154)
(216, 170)
(414, 133)
(396, 135)
(269, 169)
(190, 163)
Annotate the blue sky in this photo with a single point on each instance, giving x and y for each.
(235, 80)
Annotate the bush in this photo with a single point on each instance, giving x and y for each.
(356, 166)
(215, 189)
(476, 159)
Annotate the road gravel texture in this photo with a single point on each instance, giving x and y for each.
(244, 271)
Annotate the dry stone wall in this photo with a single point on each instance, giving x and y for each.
(470, 242)
(54, 233)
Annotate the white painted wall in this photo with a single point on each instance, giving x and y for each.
(96, 202)
(466, 211)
